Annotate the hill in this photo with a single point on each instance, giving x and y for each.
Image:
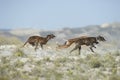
(111, 32)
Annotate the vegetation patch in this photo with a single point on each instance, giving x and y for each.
(21, 66)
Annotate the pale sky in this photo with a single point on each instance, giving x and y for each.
(56, 14)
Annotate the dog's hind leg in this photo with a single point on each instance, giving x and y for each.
(25, 43)
(76, 47)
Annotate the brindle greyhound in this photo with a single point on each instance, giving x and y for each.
(35, 40)
(69, 42)
(84, 40)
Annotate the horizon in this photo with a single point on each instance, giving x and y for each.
(104, 25)
(60, 14)
(100, 25)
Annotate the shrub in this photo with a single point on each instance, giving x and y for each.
(19, 53)
(109, 60)
(114, 77)
(117, 53)
(47, 59)
(94, 62)
(3, 78)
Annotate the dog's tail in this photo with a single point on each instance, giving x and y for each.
(65, 45)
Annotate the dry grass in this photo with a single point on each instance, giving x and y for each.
(57, 66)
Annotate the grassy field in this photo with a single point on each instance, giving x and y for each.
(25, 64)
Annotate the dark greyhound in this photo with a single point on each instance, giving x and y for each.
(35, 40)
(84, 40)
